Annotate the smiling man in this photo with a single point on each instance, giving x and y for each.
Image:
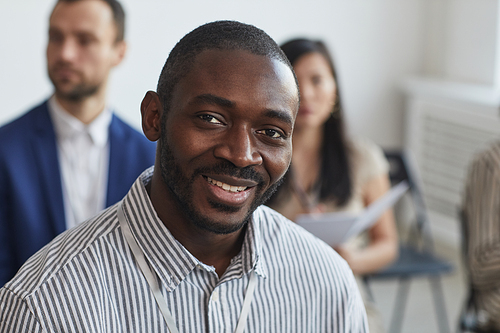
(191, 248)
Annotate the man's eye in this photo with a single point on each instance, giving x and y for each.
(84, 41)
(273, 133)
(210, 119)
(55, 38)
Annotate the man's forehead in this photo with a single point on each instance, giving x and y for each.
(82, 16)
(238, 76)
(233, 64)
(218, 56)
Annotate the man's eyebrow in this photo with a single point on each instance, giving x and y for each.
(220, 101)
(214, 100)
(281, 115)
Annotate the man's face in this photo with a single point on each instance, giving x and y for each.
(82, 48)
(226, 141)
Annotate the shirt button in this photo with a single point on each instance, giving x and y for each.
(215, 296)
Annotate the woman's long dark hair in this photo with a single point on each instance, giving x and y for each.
(334, 180)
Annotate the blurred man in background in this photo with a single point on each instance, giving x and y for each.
(70, 157)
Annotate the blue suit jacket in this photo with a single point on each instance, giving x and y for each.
(31, 199)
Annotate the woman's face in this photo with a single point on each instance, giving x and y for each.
(317, 90)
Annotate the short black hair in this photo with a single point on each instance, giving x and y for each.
(219, 35)
(118, 17)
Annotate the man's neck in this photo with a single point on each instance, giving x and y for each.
(85, 110)
(215, 250)
(210, 248)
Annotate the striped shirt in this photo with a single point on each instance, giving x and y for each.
(86, 280)
(481, 209)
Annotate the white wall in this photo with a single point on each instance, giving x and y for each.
(453, 109)
(375, 42)
(471, 47)
(462, 41)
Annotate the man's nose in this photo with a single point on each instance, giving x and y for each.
(239, 148)
(68, 50)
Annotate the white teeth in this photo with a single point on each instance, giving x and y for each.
(225, 186)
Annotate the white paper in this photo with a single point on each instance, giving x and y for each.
(336, 228)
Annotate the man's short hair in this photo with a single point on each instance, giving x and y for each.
(118, 17)
(219, 35)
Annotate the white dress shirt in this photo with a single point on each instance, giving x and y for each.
(83, 151)
(87, 280)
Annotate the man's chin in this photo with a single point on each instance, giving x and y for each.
(229, 218)
(75, 93)
(221, 228)
(222, 219)
(223, 208)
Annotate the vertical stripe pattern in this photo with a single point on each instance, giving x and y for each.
(86, 280)
(481, 207)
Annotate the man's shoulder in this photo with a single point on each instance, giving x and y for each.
(275, 228)
(492, 153)
(126, 135)
(488, 158)
(274, 224)
(17, 135)
(25, 123)
(290, 253)
(122, 128)
(67, 249)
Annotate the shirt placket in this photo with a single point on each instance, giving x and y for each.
(219, 314)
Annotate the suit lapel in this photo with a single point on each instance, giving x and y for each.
(46, 156)
(117, 162)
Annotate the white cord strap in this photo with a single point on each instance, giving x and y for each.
(146, 271)
(245, 310)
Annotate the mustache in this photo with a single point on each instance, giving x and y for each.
(63, 65)
(228, 169)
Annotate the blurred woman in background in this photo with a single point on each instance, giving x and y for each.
(331, 172)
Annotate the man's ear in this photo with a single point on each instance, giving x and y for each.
(151, 115)
(120, 49)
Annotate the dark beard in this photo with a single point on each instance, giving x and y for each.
(181, 189)
(78, 93)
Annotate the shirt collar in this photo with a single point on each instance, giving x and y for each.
(67, 126)
(169, 258)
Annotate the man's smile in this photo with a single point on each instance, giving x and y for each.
(229, 190)
(227, 187)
